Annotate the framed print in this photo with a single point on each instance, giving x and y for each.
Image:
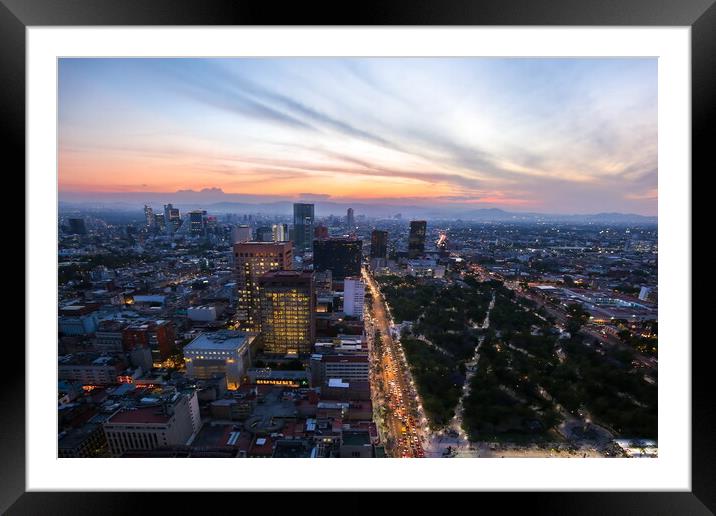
(433, 239)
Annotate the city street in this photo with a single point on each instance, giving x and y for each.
(393, 390)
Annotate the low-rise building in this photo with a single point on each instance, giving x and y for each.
(205, 313)
(157, 335)
(86, 441)
(356, 444)
(78, 319)
(348, 367)
(222, 352)
(109, 336)
(152, 423)
(90, 368)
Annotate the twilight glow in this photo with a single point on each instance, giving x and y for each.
(543, 135)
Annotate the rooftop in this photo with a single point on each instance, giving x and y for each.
(338, 382)
(356, 438)
(222, 340)
(292, 449)
(153, 414)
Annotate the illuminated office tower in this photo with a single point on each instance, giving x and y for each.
(279, 232)
(252, 260)
(416, 240)
(287, 312)
(342, 256)
(303, 219)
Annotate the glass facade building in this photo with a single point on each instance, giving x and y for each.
(303, 220)
(341, 256)
(416, 240)
(287, 312)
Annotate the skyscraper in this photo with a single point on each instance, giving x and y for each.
(279, 232)
(197, 223)
(287, 312)
(378, 244)
(416, 240)
(149, 216)
(342, 256)
(353, 297)
(172, 218)
(350, 219)
(252, 260)
(303, 219)
(159, 221)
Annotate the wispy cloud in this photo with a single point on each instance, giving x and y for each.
(558, 134)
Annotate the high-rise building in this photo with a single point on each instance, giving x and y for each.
(342, 256)
(353, 297)
(416, 240)
(172, 218)
(159, 221)
(279, 232)
(240, 234)
(149, 216)
(350, 219)
(287, 312)
(197, 223)
(303, 219)
(77, 226)
(378, 244)
(211, 224)
(252, 260)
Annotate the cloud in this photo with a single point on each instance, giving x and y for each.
(531, 131)
(213, 86)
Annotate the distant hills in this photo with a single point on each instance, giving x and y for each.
(216, 201)
(607, 218)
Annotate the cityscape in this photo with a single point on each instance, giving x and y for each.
(480, 307)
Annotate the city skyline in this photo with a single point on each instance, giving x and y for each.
(531, 135)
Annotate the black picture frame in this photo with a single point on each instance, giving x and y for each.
(16, 15)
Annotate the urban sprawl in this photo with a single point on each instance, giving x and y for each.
(245, 335)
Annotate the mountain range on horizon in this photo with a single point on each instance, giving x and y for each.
(217, 201)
